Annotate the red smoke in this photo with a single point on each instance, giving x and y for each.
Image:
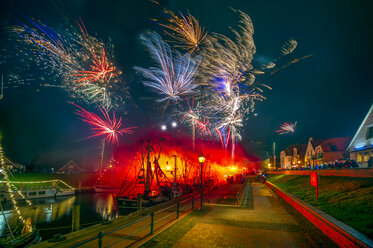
(127, 159)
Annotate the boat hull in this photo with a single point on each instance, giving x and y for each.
(36, 194)
(106, 189)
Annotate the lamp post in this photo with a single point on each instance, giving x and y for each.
(201, 159)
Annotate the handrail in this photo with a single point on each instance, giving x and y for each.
(241, 191)
(101, 235)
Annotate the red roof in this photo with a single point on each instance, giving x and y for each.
(301, 150)
(335, 144)
(317, 142)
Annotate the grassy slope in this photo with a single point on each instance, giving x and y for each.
(347, 199)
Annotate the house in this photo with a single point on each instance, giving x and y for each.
(293, 156)
(70, 168)
(14, 167)
(331, 150)
(309, 158)
(361, 145)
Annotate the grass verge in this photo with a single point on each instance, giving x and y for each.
(347, 199)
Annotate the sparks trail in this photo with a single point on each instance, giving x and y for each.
(106, 126)
(186, 31)
(287, 128)
(101, 70)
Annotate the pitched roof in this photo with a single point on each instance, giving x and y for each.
(335, 144)
(301, 149)
(69, 165)
(367, 121)
(317, 142)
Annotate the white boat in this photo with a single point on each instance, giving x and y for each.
(36, 193)
(52, 190)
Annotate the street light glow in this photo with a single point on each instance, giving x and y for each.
(163, 127)
(201, 158)
(174, 124)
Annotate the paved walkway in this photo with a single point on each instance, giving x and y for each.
(262, 220)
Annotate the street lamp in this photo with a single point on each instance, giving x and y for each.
(201, 159)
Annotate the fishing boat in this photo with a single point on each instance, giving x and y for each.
(150, 184)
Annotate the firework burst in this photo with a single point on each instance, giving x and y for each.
(287, 128)
(186, 30)
(100, 70)
(106, 126)
(174, 76)
(75, 61)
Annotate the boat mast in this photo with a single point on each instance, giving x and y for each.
(148, 170)
(175, 170)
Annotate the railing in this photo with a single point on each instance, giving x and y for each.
(165, 216)
(240, 193)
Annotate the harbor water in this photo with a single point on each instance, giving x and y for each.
(54, 215)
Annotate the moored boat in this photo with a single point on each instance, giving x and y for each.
(44, 190)
(106, 188)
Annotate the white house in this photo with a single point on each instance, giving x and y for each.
(309, 157)
(361, 145)
(70, 168)
(292, 156)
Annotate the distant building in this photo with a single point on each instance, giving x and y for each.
(293, 156)
(70, 168)
(361, 145)
(309, 157)
(331, 150)
(14, 167)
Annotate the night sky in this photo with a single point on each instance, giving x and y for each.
(327, 94)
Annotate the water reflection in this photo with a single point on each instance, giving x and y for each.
(106, 206)
(54, 215)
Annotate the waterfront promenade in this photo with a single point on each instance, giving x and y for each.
(262, 220)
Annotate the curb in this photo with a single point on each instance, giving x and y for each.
(340, 233)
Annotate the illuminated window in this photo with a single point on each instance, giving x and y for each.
(369, 132)
(359, 158)
(366, 156)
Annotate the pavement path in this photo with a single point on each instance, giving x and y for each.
(262, 220)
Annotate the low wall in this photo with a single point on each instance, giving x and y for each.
(340, 233)
(361, 172)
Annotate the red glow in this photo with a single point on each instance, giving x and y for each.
(217, 167)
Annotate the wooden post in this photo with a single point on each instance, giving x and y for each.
(139, 202)
(100, 236)
(151, 223)
(178, 210)
(75, 218)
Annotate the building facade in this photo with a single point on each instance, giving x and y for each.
(361, 147)
(293, 156)
(331, 150)
(309, 157)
